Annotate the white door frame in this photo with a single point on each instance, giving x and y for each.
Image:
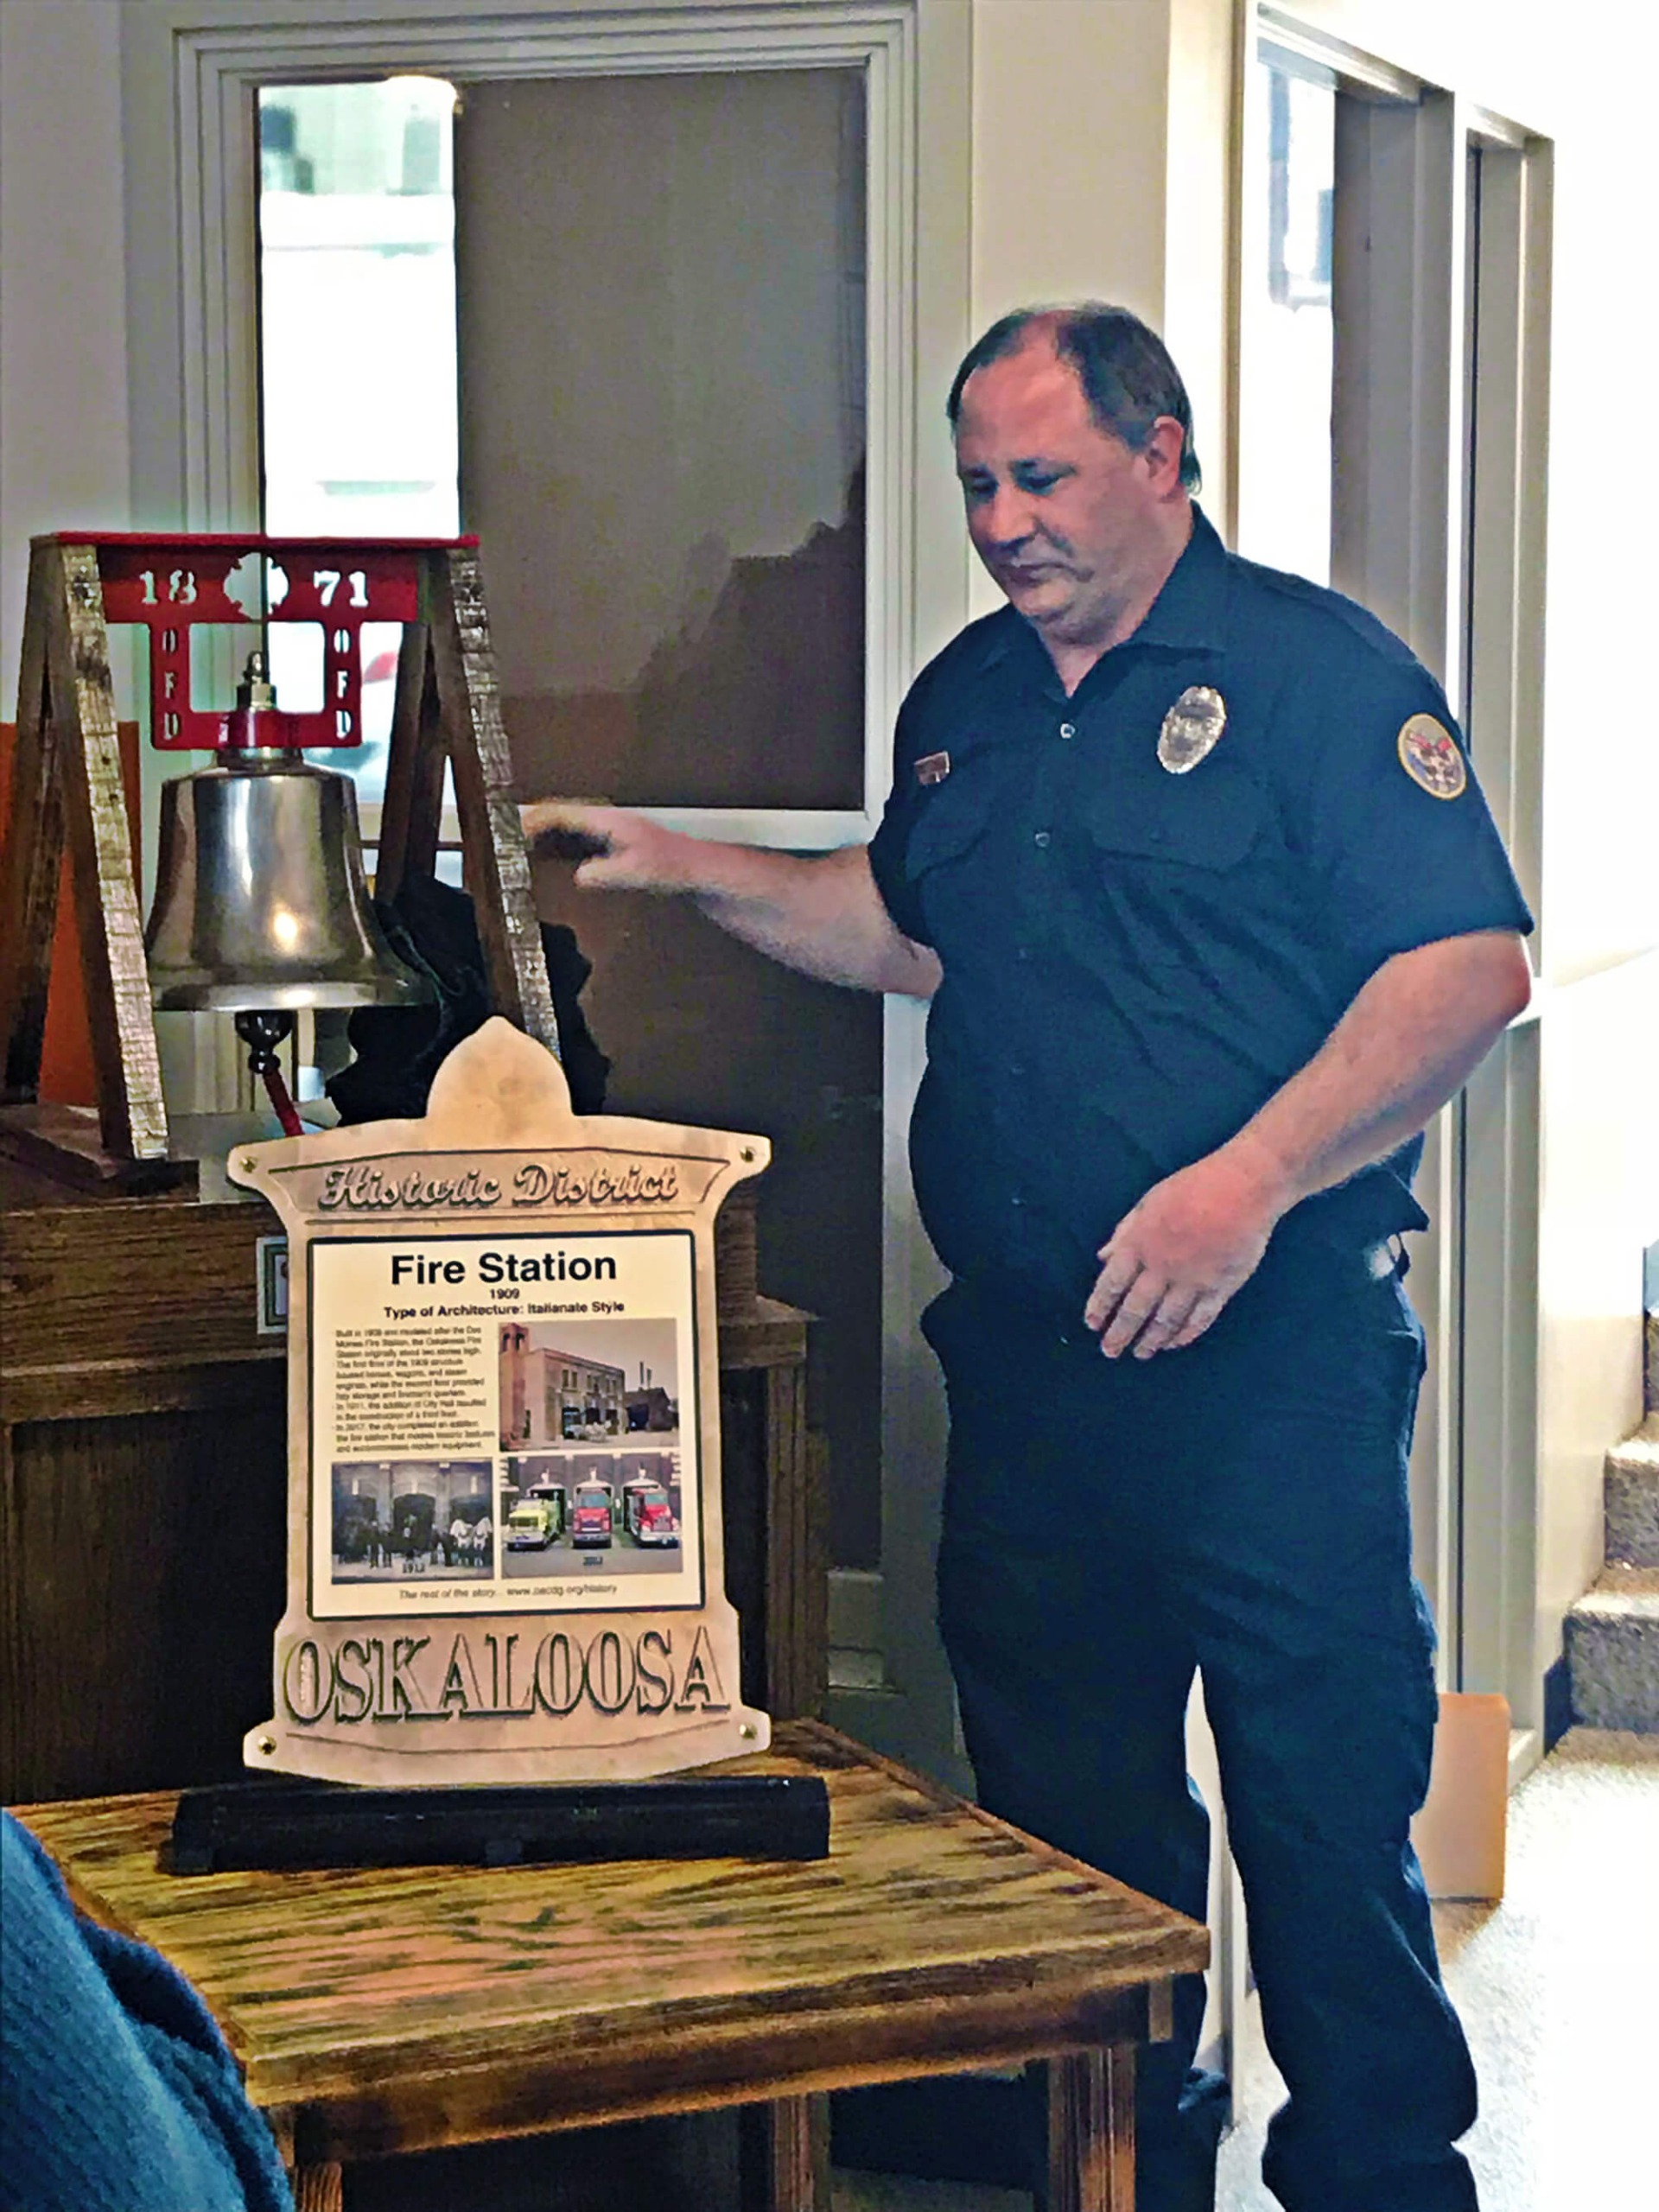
(1403, 548)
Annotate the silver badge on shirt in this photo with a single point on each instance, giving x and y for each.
(1190, 728)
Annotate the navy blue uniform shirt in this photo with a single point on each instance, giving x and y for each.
(1135, 959)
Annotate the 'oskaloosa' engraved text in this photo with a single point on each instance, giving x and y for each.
(418, 1678)
(364, 1188)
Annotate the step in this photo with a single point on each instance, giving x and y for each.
(1631, 1489)
(1613, 1652)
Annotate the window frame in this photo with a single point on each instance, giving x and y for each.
(201, 64)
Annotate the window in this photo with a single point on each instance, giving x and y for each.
(1285, 432)
(357, 343)
(827, 1075)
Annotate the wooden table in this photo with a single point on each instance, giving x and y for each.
(376, 2012)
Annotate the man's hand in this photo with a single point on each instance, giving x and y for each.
(619, 851)
(818, 913)
(1414, 1034)
(1176, 1258)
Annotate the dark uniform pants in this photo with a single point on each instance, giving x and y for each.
(1238, 1507)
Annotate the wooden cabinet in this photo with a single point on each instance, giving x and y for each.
(143, 1488)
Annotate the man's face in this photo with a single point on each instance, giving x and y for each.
(1064, 515)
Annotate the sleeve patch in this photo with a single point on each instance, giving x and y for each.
(1430, 756)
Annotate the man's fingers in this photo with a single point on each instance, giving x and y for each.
(1135, 1310)
(1203, 1313)
(1120, 1269)
(1175, 1310)
(567, 829)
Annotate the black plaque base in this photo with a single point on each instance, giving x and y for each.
(235, 1824)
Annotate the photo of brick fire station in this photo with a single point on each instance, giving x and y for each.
(551, 1396)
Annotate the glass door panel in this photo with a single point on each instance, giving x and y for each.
(662, 317)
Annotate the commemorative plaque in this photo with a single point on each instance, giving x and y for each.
(505, 1534)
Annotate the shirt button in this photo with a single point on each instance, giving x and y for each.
(1068, 729)
(1016, 1199)
(1016, 1069)
(1022, 954)
(1042, 839)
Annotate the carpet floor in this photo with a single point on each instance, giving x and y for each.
(1558, 1990)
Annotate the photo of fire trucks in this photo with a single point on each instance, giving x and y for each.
(590, 1429)
(560, 1513)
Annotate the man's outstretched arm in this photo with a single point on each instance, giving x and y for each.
(818, 913)
(1411, 1038)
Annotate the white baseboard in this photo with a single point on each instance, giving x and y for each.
(1526, 1749)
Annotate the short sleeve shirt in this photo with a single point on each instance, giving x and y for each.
(1154, 899)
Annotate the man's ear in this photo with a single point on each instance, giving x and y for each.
(1163, 452)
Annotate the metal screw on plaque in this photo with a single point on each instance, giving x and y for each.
(247, 1166)
(747, 1153)
(267, 1744)
(746, 1730)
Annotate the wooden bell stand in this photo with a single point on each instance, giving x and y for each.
(66, 790)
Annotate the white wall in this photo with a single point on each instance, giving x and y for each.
(1069, 137)
(64, 454)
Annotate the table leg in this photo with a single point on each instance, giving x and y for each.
(316, 2187)
(319, 2188)
(787, 2155)
(1091, 2132)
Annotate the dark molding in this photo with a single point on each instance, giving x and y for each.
(1558, 1703)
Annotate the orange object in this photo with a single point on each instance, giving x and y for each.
(66, 1078)
(1461, 1831)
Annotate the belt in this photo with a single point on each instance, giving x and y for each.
(1013, 1295)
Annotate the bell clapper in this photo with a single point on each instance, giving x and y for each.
(262, 1031)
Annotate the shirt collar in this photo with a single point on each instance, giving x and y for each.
(1188, 613)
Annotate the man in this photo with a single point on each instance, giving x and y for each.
(1213, 918)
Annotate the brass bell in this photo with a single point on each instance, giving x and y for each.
(260, 898)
